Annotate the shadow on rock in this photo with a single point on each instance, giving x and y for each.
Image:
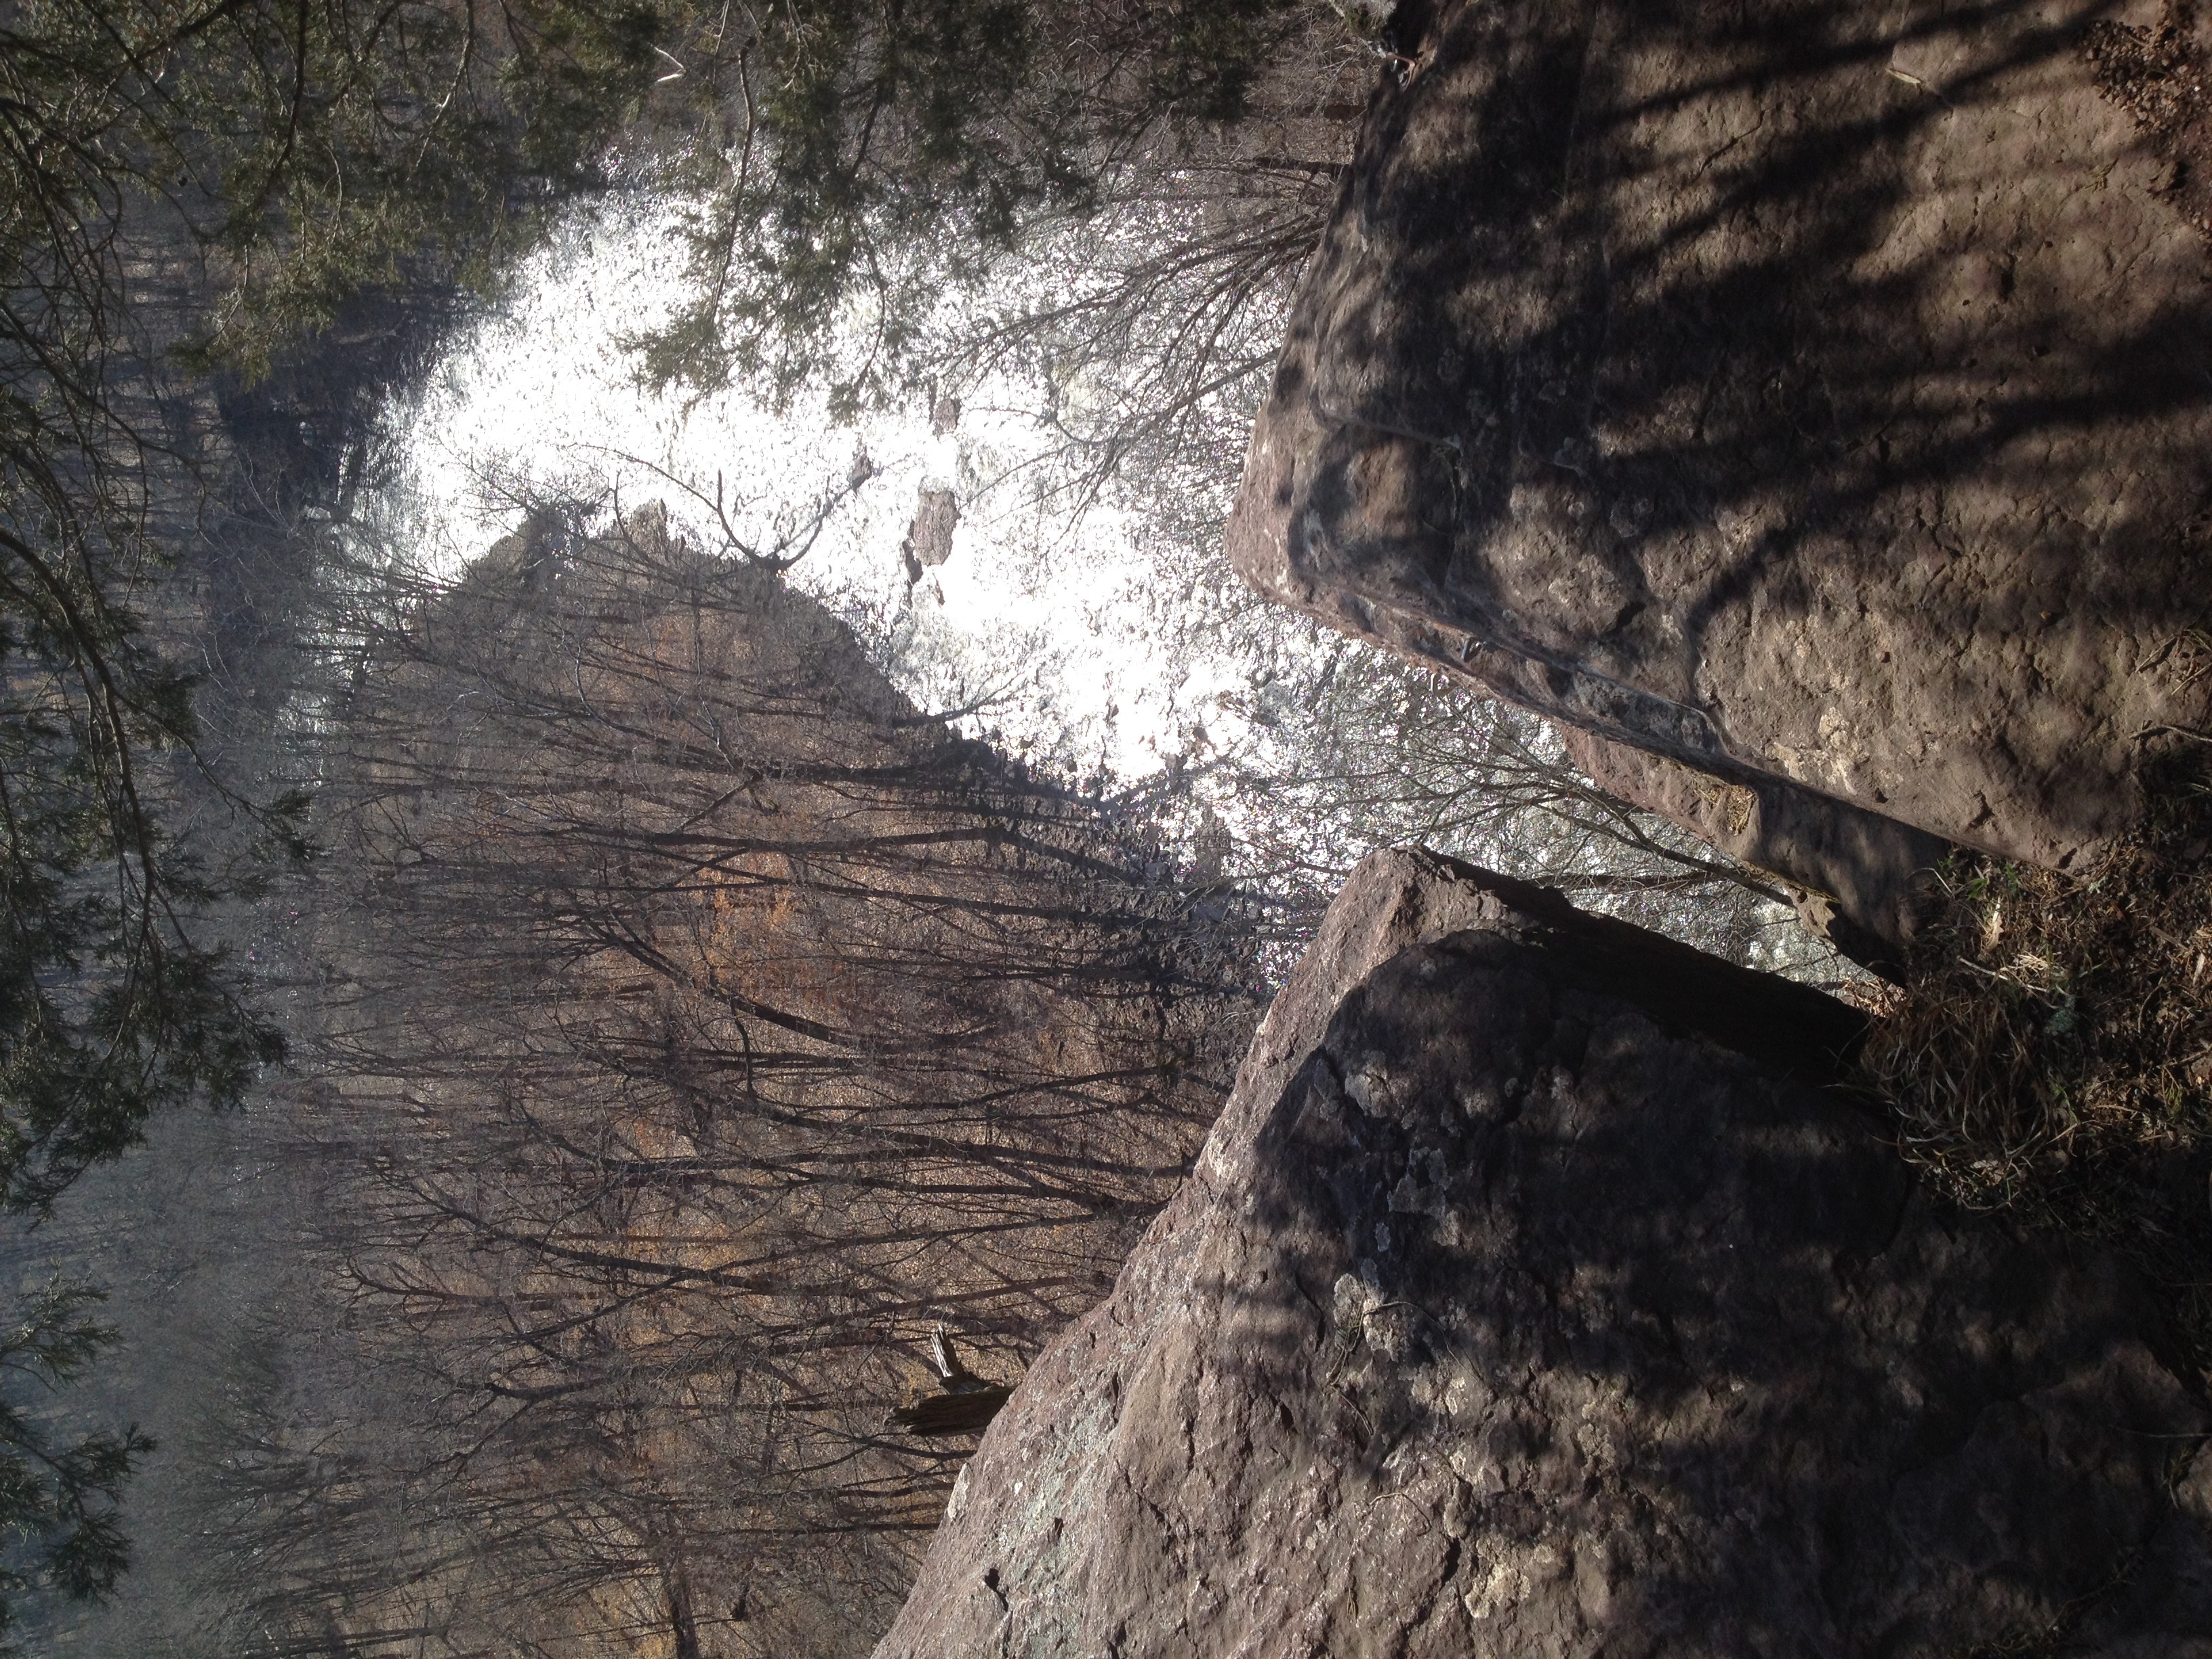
(1510, 1312)
(1802, 393)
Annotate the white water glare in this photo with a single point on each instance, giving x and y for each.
(1052, 624)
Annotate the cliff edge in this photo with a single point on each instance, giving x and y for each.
(1534, 1295)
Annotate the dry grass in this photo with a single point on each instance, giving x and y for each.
(2051, 1055)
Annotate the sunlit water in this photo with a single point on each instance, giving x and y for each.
(1092, 643)
(1056, 622)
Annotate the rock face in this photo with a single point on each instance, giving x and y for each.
(929, 537)
(1529, 1298)
(1818, 398)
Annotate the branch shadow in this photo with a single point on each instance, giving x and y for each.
(1723, 356)
(1575, 1330)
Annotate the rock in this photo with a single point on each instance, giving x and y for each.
(929, 537)
(1532, 1297)
(1813, 397)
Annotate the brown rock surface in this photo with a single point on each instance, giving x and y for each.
(1809, 394)
(1514, 1309)
(1860, 873)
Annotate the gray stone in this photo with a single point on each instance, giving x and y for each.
(1533, 1297)
(929, 537)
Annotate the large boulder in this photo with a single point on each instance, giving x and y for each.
(1534, 1297)
(1817, 398)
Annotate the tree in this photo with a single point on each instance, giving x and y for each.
(305, 152)
(58, 1499)
(849, 161)
(704, 1023)
(199, 186)
(1378, 752)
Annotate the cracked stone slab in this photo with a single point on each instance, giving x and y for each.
(1537, 1295)
(1818, 398)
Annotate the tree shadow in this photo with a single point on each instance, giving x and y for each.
(1736, 360)
(1541, 1291)
(1569, 1325)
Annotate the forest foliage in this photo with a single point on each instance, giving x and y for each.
(702, 1027)
(193, 196)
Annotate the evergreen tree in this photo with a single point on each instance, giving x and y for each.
(849, 160)
(202, 185)
(57, 1495)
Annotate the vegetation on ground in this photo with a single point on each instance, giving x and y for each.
(2050, 1056)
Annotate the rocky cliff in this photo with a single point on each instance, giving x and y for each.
(1809, 399)
(1533, 1295)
